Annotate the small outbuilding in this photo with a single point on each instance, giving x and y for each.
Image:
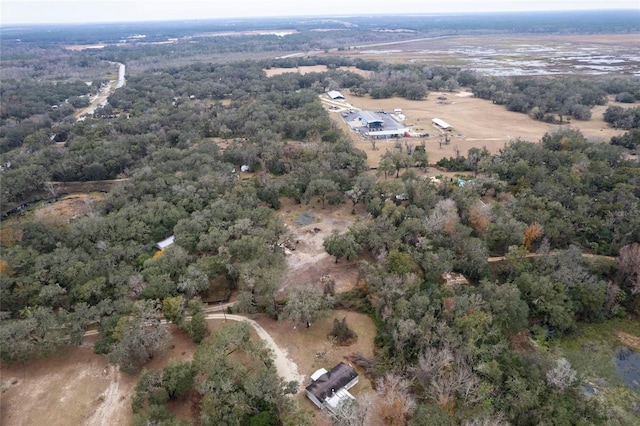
(161, 245)
(329, 388)
(441, 123)
(334, 94)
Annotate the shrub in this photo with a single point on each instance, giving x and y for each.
(342, 333)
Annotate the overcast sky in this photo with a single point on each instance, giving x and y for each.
(72, 11)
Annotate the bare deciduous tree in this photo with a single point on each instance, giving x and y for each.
(562, 376)
(629, 267)
(396, 403)
(445, 375)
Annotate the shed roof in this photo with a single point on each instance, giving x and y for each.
(331, 382)
(334, 94)
(165, 243)
(396, 132)
(441, 123)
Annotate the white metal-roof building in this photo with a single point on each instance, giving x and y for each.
(370, 119)
(161, 245)
(383, 134)
(334, 94)
(441, 123)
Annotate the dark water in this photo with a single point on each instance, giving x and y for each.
(628, 364)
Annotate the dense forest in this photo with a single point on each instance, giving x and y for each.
(563, 213)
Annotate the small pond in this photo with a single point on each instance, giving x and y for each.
(628, 365)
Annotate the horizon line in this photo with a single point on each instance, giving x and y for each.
(316, 16)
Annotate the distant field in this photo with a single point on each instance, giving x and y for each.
(520, 54)
(316, 68)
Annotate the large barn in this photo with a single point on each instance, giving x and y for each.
(370, 119)
(334, 94)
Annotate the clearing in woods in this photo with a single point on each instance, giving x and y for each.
(475, 123)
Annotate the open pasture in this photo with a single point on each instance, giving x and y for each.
(475, 123)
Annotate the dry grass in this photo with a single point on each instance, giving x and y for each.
(495, 53)
(476, 123)
(72, 388)
(65, 389)
(629, 340)
(315, 68)
(67, 207)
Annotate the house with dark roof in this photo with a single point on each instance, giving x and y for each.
(328, 389)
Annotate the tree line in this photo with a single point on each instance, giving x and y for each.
(448, 349)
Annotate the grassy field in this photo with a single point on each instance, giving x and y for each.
(591, 350)
(476, 123)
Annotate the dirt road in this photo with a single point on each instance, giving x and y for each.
(101, 98)
(286, 368)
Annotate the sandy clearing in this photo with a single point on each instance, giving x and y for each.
(79, 387)
(66, 389)
(107, 411)
(310, 261)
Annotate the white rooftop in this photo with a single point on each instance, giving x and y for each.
(165, 243)
(441, 123)
(315, 376)
(337, 398)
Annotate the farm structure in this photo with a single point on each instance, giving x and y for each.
(329, 388)
(376, 125)
(161, 245)
(371, 120)
(334, 94)
(441, 124)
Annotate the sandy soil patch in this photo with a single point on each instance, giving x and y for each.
(629, 340)
(67, 207)
(78, 387)
(309, 261)
(476, 123)
(74, 388)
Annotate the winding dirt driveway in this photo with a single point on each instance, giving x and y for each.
(286, 368)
